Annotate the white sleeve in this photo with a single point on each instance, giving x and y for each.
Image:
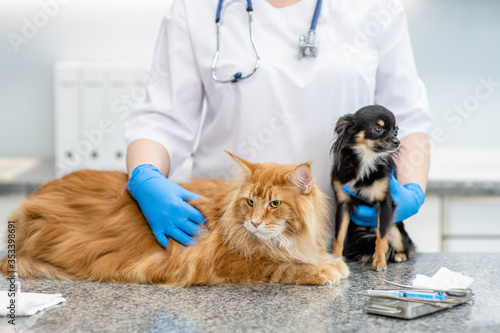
(398, 86)
(171, 112)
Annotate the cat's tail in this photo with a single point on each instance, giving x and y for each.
(28, 267)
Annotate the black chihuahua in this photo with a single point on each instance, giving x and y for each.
(363, 150)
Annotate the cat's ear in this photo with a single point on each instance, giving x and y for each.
(246, 167)
(301, 177)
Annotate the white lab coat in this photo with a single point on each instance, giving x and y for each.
(285, 112)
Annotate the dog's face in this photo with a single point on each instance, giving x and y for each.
(371, 130)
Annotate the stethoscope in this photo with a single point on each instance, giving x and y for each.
(308, 46)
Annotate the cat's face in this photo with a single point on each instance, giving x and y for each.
(266, 215)
(271, 199)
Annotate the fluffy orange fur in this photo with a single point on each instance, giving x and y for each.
(86, 226)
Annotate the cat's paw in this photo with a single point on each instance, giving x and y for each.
(315, 275)
(341, 267)
(329, 275)
(335, 271)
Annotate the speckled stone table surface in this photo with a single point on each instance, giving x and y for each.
(103, 307)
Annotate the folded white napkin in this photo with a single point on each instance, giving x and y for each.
(444, 279)
(27, 304)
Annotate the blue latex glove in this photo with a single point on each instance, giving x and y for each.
(408, 198)
(164, 205)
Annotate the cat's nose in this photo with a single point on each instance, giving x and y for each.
(255, 224)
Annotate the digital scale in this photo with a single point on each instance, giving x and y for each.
(410, 309)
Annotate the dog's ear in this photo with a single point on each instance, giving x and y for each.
(343, 123)
(341, 130)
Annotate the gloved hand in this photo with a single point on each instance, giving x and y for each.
(164, 205)
(408, 198)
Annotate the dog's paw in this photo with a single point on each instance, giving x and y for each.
(379, 265)
(400, 257)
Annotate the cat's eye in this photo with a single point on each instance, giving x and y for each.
(250, 202)
(275, 203)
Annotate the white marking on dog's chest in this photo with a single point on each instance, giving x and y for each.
(369, 161)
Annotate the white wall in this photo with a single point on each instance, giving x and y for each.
(80, 29)
(455, 44)
(456, 47)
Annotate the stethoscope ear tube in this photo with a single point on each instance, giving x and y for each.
(308, 46)
(237, 76)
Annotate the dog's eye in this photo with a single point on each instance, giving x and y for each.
(378, 130)
(396, 131)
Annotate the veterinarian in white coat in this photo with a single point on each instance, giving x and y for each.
(287, 110)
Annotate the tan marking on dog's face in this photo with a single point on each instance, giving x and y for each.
(360, 137)
(362, 141)
(381, 123)
(370, 144)
(339, 192)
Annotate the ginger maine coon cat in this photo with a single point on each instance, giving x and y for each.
(267, 227)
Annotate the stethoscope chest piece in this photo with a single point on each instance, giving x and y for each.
(309, 46)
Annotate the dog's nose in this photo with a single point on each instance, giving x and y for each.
(395, 141)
